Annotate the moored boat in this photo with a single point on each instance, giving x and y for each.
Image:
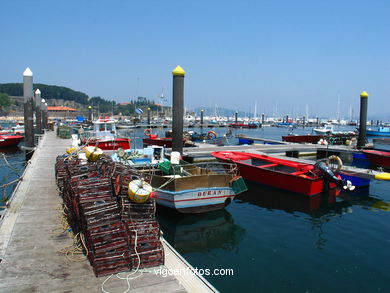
(280, 173)
(379, 158)
(308, 138)
(104, 136)
(326, 129)
(10, 140)
(194, 188)
(380, 131)
(153, 139)
(243, 125)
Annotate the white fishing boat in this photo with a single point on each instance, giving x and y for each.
(194, 188)
(326, 129)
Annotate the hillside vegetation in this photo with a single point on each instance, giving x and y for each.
(48, 92)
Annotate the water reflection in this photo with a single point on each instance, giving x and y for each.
(272, 198)
(200, 232)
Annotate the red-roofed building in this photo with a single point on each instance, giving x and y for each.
(62, 112)
(61, 109)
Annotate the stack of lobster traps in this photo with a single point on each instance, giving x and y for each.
(118, 235)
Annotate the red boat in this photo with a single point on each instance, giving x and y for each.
(308, 138)
(153, 139)
(379, 158)
(283, 174)
(242, 125)
(105, 137)
(10, 140)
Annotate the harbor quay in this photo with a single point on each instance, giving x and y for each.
(33, 241)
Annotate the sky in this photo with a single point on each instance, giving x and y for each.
(283, 55)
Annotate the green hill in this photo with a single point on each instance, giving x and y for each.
(48, 92)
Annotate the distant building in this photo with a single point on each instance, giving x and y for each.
(62, 112)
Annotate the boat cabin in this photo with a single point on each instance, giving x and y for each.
(104, 127)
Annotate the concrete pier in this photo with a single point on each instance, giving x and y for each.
(31, 239)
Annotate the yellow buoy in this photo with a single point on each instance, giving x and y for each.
(93, 153)
(139, 191)
(71, 150)
(382, 176)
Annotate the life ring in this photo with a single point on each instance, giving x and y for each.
(211, 135)
(147, 131)
(332, 160)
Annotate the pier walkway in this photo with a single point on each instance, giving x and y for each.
(31, 240)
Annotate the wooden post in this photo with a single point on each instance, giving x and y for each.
(363, 120)
(38, 111)
(178, 109)
(28, 108)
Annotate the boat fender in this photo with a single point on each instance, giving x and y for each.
(139, 191)
(147, 131)
(211, 135)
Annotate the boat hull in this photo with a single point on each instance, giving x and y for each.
(302, 138)
(110, 144)
(10, 140)
(379, 158)
(197, 200)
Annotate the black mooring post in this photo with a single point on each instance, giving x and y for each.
(201, 117)
(148, 116)
(178, 109)
(236, 117)
(262, 118)
(28, 96)
(363, 120)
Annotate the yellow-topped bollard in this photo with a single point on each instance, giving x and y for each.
(178, 71)
(363, 119)
(177, 109)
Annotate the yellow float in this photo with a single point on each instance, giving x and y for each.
(93, 153)
(139, 191)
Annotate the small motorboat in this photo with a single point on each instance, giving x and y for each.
(104, 136)
(194, 188)
(308, 138)
(327, 129)
(243, 125)
(284, 174)
(378, 158)
(380, 131)
(153, 139)
(10, 140)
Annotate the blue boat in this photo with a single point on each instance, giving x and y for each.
(381, 131)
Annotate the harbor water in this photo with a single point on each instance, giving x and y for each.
(275, 241)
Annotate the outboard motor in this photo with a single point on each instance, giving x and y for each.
(327, 173)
